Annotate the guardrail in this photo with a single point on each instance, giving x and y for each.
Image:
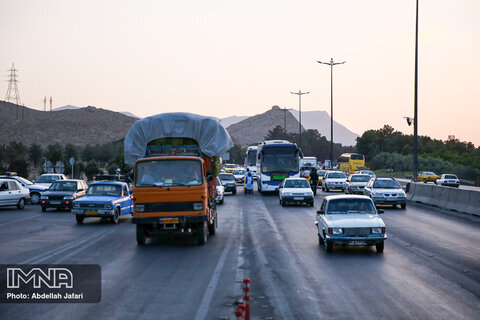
(467, 201)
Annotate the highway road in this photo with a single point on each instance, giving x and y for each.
(430, 268)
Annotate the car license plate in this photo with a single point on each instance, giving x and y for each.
(297, 198)
(169, 220)
(91, 213)
(357, 243)
(55, 202)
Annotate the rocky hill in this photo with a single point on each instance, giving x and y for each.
(81, 126)
(254, 129)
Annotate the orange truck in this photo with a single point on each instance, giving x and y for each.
(176, 157)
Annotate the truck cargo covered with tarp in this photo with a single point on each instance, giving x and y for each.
(212, 138)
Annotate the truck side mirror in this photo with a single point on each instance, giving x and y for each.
(380, 211)
(320, 212)
(209, 177)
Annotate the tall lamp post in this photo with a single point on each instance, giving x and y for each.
(331, 64)
(415, 116)
(300, 93)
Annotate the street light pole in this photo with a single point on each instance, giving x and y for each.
(300, 93)
(331, 64)
(415, 100)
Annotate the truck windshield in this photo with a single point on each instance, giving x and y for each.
(105, 190)
(168, 173)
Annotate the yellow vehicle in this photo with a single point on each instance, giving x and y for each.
(229, 168)
(320, 174)
(350, 162)
(427, 176)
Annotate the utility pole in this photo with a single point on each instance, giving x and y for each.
(50, 103)
(415, 103)
(300, 93)
(45, 104)
(331, 64)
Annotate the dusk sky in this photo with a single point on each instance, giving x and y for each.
(224, 58)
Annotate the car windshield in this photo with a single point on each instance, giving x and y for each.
(336, 175)
(230, 166)
(239, 172)
(450, 176)
(371, 173)
(47, 179)
(105, 190)
(350, 206)
(227, 177)
(363, 178)
(296, 184)
(63, 186)
(168, 173)
(386, 184)
(24, 181)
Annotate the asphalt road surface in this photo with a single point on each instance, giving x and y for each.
(430, 268)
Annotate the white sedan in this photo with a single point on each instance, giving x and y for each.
(295, 190)
(449, 180)
(334, 180)
(13, 193)
(220, 191)
(350, 220)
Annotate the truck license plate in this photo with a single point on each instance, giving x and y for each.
(357, 243)
(169, 220)
(91, 213)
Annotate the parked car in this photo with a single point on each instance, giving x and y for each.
(350, 220)
(61, 194)
(356, 183)
(386, 191)
(48, 178)
(12, 193)
(333, 180)
(295, 190)
(35, 190)
(427, 177)
(228, 181)
(108, 199)
(220, 191)
(239, 174)
(229, 168)
(449, 180)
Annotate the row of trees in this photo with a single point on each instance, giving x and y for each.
(388, 148)
(19, 157)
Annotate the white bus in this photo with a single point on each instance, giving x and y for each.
(251, 160)
(308, 162)
(276, 160)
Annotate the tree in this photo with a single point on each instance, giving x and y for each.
(91, 169)
(237, 154)
(35, 153)
(20, 166)
(277, 133)
(87, 153)
(54, 154)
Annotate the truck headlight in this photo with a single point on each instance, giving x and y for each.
(68, 198)
(139, 208)
(76, 205)
(107, 206)
(198, 206)
(377, 230)
(337, 230)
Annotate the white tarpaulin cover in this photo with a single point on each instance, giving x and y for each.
(211, 136)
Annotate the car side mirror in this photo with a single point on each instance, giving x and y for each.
(404, 188)
(380, 211)
(320, 212)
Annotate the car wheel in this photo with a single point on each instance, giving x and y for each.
(221, 201)
(326, 189)
(403, 205)
(283, 203)
(320, 240)
(202, 233)
(328, 245)
(311, 204)
(379, 247)
(141, 236)
(212, 227)
(44, 209)
(234, 191)
(21, 204)
(35, 198)
(116, 214)
(79, 218)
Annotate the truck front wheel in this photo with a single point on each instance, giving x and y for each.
(141, 237)
(202, 233)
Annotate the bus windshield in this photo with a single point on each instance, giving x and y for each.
(280, 159)
(251, 157)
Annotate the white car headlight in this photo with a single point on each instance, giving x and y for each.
(377, 230)
(44, 197)
(68, 198)
(337, 230)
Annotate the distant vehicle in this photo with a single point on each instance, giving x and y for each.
(349, 220)
(229, 168)
(295, 190)
(308, 162)
(228, 181)
(48, 178)
(350, 162)
(276, 161)
(356, 183)
(61, 194)
(12, 193)
(239, 174)
(327, 165)
(386, 191)
(369, 172)
(449, 180)
(104, 177)
(35, 190)
(220, 191)
(321, 174)
(334, 180)
(104, 200)
(251, 160)
(427, 176)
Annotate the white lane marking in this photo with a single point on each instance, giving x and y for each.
(18, 220)
(212, 285)
(240, 273)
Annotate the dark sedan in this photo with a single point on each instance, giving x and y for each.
(61, 194)
(228, 181)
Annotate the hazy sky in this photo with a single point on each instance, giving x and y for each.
(224, 58)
